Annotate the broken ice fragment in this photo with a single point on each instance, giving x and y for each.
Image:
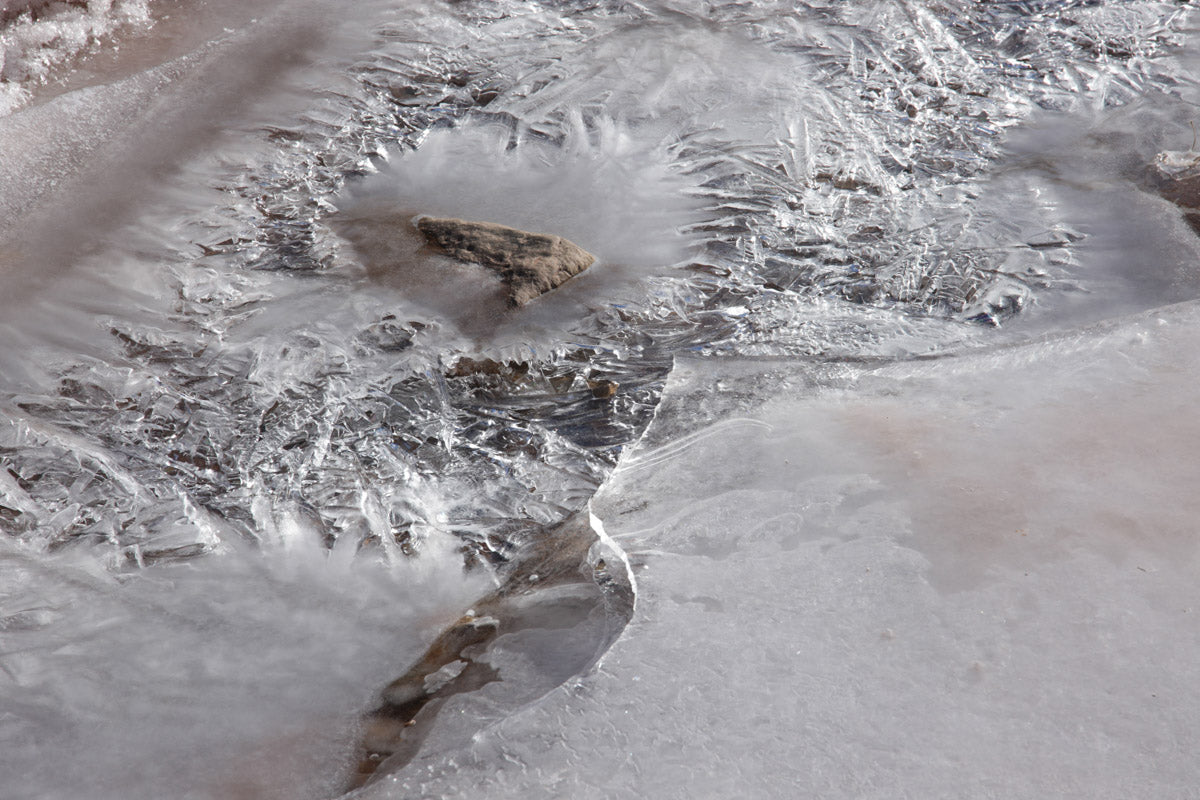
(531, 264)
(1179, 166)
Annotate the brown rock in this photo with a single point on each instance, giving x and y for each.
(467, 367)
(1177, 178)
(603, 389)
(555, 583)
(531, 264)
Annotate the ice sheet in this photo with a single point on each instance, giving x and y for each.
(967, 577)
(235, 676)
(199, 365)
(798, 207)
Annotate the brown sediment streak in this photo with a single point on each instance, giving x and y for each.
(11, 9)
(567, 555)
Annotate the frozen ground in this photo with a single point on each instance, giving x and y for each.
(886, 277)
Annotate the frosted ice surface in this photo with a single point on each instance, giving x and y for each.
(235, 676)
(47, 145)
(972, 577)
(40, 36)
(842, 185)
(766, 192)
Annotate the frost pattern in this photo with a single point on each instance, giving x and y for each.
(834, 151)
(41, 36)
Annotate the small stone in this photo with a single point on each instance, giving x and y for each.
(531, 264)
(1058, 236)
(467, 367)
(603, 389)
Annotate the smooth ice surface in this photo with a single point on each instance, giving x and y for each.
(970, 577)
(235, 676)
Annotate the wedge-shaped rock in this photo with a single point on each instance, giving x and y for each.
(531, 264)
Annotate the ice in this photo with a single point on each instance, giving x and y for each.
(41, 36)
(881, 228)
(234, 677)
(731, 213)
(51, 143)
(972, 576)
(614, 193)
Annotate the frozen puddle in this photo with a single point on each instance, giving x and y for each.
(968, 577)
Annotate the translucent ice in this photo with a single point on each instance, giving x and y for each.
(202, 368)
(972, 576)
(235, 676)
(41, 35)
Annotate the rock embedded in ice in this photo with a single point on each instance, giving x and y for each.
(1181, 170)
(531, 264)
(560, 584)
(1177, 177)
(467, 367)
(602, 389)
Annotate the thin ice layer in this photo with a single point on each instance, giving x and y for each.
(839, 204)
(38, 36)
(238, 675)
(966, 577)
(223, 367)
